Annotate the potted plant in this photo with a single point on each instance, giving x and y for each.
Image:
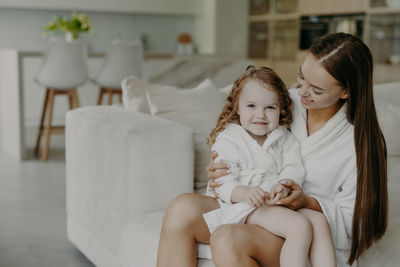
(72, 27)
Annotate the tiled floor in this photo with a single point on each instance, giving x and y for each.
(32, 214)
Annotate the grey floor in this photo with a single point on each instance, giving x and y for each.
(32, 214)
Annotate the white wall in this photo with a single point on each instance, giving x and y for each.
(132, 6)
(22, 29)
(221, 27)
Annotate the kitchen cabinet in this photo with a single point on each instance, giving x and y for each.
(273, 36)
(382, 33)
(313, 7)
(274, 27)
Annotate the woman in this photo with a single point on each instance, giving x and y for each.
(344, 154)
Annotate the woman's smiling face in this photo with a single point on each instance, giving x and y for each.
(318, 89)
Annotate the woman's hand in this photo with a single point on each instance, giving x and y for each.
(216, 170)
(297, 199)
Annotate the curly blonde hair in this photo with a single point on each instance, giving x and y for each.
(264, 76)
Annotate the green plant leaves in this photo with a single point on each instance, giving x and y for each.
(76, 24)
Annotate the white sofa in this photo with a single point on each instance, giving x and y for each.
(123, 168)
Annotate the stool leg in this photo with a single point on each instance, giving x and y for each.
(71, 99)
(41, 127)
(75, 98)
(100, 99)
(110, 96)
(120, 96)
(45, 153)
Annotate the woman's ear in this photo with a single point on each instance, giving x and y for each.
(345, 94)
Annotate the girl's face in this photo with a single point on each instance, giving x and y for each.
(258, 108)
(318, 89)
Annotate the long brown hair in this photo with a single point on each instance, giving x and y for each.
(349, 61)
(270, 80)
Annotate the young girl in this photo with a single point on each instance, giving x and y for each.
(252, 137)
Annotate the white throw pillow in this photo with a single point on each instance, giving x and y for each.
(199, 108)
(226, 90)
(134, 93)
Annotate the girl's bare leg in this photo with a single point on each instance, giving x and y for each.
(288, 224)
(322, 251)
(183, 225)
(244, 245)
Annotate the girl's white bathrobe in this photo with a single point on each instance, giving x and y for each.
(329, 158)
(251, 165)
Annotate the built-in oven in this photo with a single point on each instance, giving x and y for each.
(313, 27)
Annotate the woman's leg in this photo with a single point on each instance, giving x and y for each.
(295, 228)
(244, 245)
(183, 225)
(322, 251)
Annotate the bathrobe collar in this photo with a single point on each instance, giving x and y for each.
(332, 130)
(273, 137)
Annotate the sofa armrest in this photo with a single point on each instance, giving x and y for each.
(121, 164)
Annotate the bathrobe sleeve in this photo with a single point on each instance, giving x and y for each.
(229, 153)
(292, 163)
(339, 211)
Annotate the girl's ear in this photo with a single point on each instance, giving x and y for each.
(345, 94)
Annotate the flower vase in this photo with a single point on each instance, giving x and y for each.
(69, 36)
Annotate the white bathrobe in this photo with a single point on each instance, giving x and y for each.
(251, 165)
(329, 159)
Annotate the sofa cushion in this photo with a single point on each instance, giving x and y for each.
(387, 101)
(134, 93)
(197, 108)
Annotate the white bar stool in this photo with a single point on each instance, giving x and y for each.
(121, 60)
(64, 68)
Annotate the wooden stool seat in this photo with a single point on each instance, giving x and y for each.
(49, 129)
(110, 92)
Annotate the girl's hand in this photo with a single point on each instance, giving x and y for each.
(254, 196)
(296, 199)
(277, 192)
(216, 170)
